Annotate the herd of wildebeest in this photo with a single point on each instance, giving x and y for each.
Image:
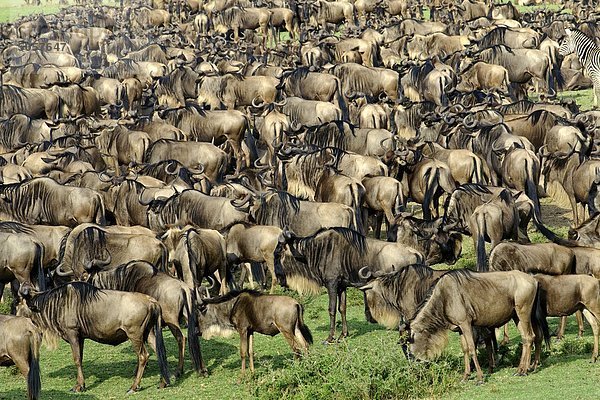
(155, 157)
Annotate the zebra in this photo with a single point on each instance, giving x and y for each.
(588, 53)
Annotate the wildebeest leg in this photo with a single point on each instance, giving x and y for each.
(243, 348)
(143, 355)
(561, 328)
(333, 295)
(2, 285)
(526, 330)
(466, 358)
(270, 260)
(342, 309)
(591, 318)
(467, 333)
(178, 335)
(573, 202)
(505, 338)
(579, 317)
(378, 222)
(251, 350)
(76, 343)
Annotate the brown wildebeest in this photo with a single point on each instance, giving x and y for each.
(176, 300)
(20, 342)
(249, 311)
(78, 310)
(395, 297)
(565, 294)
(456, 303)
(545, 258)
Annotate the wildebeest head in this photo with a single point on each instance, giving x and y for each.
(213, 315)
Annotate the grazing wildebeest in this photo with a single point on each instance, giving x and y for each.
(20, 342)
(78, 311)
(247, 312)
(456, 303)
(175, 298)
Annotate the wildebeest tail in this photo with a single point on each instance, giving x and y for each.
(100, 212)
(34, 382)
(306, 334)
(482, 264)
(39, 267)
(161, 352)
(193, 338)
(399, 201)
(555, 72)
(432, 184)
(340, 100)
(538, 316)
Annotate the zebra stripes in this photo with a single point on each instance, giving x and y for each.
(588, 53)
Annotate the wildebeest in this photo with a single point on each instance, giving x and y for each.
(248, 312)
(20, 342)
(258, 243)
(175, 298)
(44, 201)
(78, 311)
(456, 303)
(563, 295)
(303, 218)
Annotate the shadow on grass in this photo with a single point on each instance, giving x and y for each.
(356, 327)
(16, 394)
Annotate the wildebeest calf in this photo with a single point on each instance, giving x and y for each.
(20, 342)
(249, 311)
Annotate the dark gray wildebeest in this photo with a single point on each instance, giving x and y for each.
(456, 303)
(176, 300)
(248, 312)
(20, 342)
(78, 311)
(44, 201)
(335, 259)
(427, 237)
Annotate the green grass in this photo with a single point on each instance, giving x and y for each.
(11, 10)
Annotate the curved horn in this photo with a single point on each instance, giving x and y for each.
(365, 273)
(104, 177)
(242, 202)
(211, 281)
(171, 171)
(469, 121)
(58, 271)
(257, 105)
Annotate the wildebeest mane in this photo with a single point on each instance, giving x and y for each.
(15, 227)
(398, 283)
(493, 38)
(518, 107)
(73, 298)
(124, 277)
(276, 207)
(329, 134)
(124, 68)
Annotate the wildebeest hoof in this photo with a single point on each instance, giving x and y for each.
(204, 373)
(479, 382)
(78, 388)
(329, 341)
(131, 391)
